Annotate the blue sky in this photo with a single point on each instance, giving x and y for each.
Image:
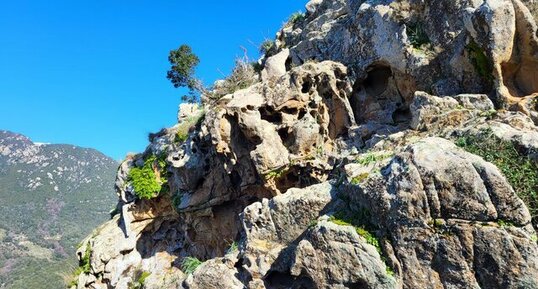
(93, 72)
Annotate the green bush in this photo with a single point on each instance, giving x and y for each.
(145, 182)
(189, 265)
(520, 171)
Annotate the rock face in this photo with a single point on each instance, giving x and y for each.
(339, 168)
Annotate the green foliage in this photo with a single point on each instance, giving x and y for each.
(370, 158)
(85, 262)
(184, 63)
(276, 173)
(490, 114)
(233, 248)
(504, 224)
(183, 66)
(534, 238)
(266, 46)
(187, 125)
(146, 183)
(296, 18)
(482, 64)
(189, 265)
(140, 277)
(72, 279)
(359, 179)
(360, 221)
(520, 171)
(417, 35)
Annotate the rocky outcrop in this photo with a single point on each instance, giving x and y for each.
(338, 168)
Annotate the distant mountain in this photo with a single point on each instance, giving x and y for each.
(51, 196)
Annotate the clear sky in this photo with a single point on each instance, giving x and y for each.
(93, 72)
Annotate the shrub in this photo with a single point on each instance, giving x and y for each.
(148, 180)
(243, 76)
(520, 171)
(266, 46)
(189, 265)
(296, 17)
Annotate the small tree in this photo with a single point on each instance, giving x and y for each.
(181, 73)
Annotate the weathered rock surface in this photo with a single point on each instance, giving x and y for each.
(338, 168)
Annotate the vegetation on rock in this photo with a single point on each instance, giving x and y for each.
(520, 171)
(417, 35)
(480, 61)
(148, 180)
(189, 265)
(187, 125)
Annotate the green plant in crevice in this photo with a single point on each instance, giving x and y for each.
(481, 62)
(359, 179)
(371, 157)
(520, 171)
(276, 173)
(189, 265)
(233, 248)
(140, 279)
(360, 221)
(149, 180)
(85, 262)
(417, 35)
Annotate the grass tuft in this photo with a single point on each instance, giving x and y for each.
(189, 265)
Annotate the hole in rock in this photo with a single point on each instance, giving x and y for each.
(269, 114)
(289, 110)
(279, 280)
(302, 114)
(383, 96)
(307, 85)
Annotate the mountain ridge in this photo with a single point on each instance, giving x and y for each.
(44, 189)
